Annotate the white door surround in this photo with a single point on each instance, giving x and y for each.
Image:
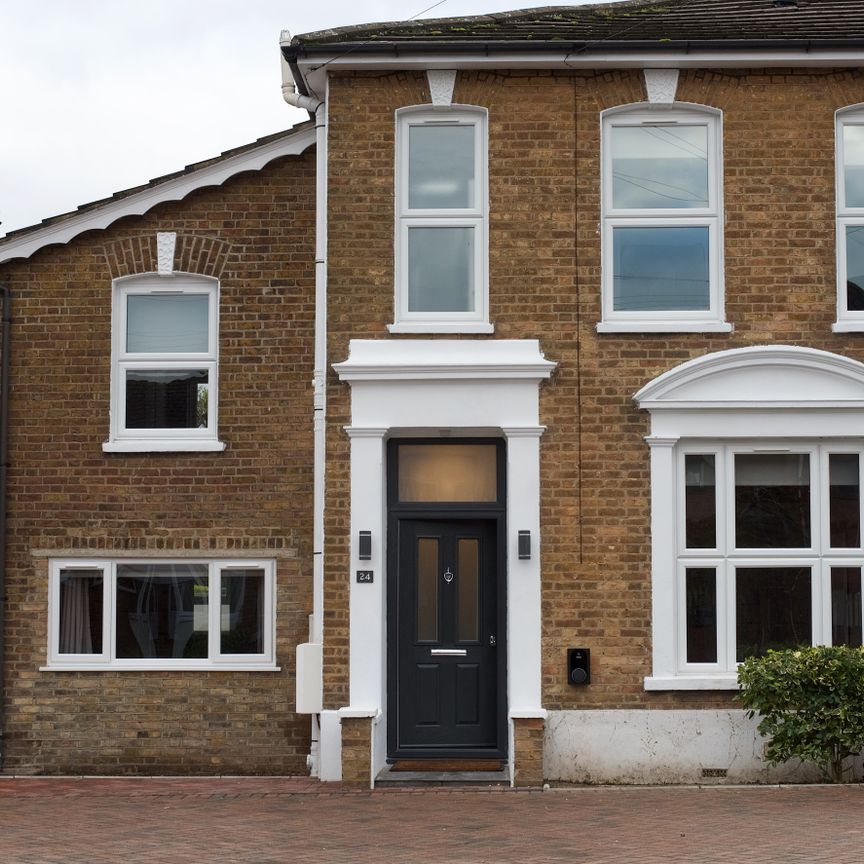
(441, 387)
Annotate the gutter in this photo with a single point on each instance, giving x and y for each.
(300, 98)
(404, 47)
(6, 294)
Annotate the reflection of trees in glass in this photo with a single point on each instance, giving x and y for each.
(854, 281)
(772, 517)
(773, 609)
(201, 407)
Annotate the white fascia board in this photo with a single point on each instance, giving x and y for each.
(315, 69)
(437, 359)
(139, 203)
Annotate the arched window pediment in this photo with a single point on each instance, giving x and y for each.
(761, 376)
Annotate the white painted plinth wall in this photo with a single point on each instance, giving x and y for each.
(656, 747)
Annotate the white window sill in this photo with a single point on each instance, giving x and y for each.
(720, 681)
(164, 667)
(441, 327)
(848, 327)
(664, 327)
(163, 445)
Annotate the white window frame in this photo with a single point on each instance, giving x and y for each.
(107, 659)
(848, 321)
(126, 440)
(703, 321)
(770, 397)
(820, 556)
(476, 321)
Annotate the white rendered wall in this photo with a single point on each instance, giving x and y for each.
(635, 747)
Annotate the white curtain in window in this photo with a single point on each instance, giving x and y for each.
(75, 616)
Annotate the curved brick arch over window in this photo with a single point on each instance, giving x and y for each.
(193, 253)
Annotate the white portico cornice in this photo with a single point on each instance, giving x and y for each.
(443, 359)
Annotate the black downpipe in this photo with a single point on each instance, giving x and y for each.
(6, 294)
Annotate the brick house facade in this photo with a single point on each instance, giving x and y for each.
(69, 500)
(650, 329)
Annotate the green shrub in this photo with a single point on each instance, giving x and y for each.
(811, 704)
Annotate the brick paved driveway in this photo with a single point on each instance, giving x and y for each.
(265, 820)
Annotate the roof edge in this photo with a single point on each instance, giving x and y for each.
(24, 242)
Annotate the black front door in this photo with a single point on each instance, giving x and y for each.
(444, 653)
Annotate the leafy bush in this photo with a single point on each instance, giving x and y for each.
(811, 701)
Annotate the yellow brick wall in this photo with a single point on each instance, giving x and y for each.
(66, 496)
(544, 283)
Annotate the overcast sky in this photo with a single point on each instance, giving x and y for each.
(97, 96)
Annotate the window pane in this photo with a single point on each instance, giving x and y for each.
(846, 606)
(441, 269)
(845, 505)
(660, 269)
(772, 501)
(659, 167)
(241, 612)
(468, 575)
(167, 399)
(701, 502)
(427, 589)
(853, 170)
(773, 609)
(80, 612)
(701, 615)
(448, 472)
(167, 323)
(162, 611)
(855, 268)
(440, 167)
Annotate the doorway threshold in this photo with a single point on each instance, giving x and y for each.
(407, 774)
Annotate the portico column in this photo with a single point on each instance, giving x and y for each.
(364, 734)
(523, 575)
(663, 553)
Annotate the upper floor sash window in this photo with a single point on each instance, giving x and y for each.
(850, 219)
(164, 366)
(441, 216)
(662, 220)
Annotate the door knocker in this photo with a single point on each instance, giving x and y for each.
(448, 575)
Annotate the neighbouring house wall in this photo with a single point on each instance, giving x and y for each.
(544, 264)
(69, 498)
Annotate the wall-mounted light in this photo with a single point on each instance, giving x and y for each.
(364, 546)
(524, 545)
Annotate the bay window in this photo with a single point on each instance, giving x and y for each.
(756, 461)
(770, 553)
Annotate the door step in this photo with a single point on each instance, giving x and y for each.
(444, 765)
(413, 772)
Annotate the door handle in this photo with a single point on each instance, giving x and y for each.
(448, 652)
